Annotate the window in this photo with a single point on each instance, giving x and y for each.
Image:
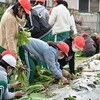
(83, 5)
(94, 5)
(89, 5)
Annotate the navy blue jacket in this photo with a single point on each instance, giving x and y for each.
(71, 57)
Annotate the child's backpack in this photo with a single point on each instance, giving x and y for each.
(39, 26)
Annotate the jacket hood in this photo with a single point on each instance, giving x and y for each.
(39, 8)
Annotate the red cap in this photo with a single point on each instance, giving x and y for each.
(43, 1)
(63, 47)
(79, 42)
(98, 39)
(26, 5)
(8, 52)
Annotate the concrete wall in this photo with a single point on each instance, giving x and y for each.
(91, 20)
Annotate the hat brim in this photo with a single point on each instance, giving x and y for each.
(78, 47)
(14, 68)
(66, 54)
(27, 11)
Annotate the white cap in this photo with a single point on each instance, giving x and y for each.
(9, 59)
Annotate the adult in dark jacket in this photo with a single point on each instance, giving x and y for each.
(75, 45)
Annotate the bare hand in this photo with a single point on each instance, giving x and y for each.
(17, 83)
(19, 93)
(64, 80)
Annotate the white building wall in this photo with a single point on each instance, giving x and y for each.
(3, 1)
(73, 4)
(6, 1)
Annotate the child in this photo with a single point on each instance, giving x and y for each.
(90, 46)
(7, 64)
(75, 45)
(41, 51)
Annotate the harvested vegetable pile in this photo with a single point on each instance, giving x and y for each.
(40, 85)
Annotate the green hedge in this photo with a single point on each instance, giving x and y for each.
(3, 7)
